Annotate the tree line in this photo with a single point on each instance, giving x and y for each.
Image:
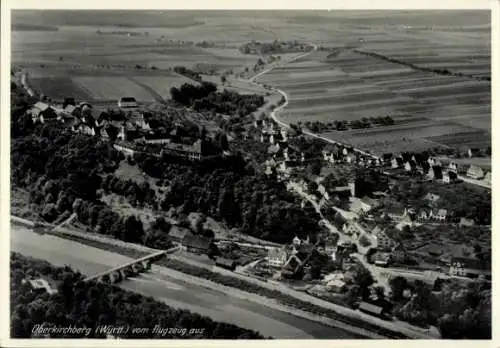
(443, 71)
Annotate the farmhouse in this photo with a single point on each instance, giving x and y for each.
(475, 172)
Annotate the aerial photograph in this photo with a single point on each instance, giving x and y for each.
(250, 174)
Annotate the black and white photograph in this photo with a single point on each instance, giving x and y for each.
(249, 174)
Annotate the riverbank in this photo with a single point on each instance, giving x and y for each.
(233, 282)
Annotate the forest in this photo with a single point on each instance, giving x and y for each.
(206, 98)
(88, 304)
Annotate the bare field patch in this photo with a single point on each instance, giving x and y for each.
(60, 87)
(112, 87)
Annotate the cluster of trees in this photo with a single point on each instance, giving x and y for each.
(459, 312)
(461, 200)
(257, 206)
(321, 127)
(368, 181)
(276, 46)
(206, 98)
(421, 68)
(188, 73)
(188, 93)
(88, 304)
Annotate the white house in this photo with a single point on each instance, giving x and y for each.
(475, 172)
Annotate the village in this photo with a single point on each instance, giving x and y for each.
(363, 227)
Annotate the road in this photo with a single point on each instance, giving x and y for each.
(274, 113)
(175, 292)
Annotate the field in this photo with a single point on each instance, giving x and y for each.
(336, 83)
(429, 109)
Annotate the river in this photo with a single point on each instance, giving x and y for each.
(174, 292)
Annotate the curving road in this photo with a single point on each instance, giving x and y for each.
(162, 284)
(274, 116)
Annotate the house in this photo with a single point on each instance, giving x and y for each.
(449, 177)
(83, 128)
(466, 222)
(40, 286)
(383, 241)
(296, 241)
(394, 163)
(71, 110)
(473, 152)
(330, 247)
(226, 263)
(396, 213)
(353, 229)
(335, 283)
(84, 106)
(277, 257)
(264, 138)
(453, 167)
(372, 309)
(381, 259)
(441, 215)
(468, 267)
(474, 172)
(259, 121)
(432, 197)
(425, 168)
(433, 161)
(43, 113)
(487, 178)
(196, 244)
(362, 205)
(322, 190)
(435, 172)
(423, 215)
(399, 253)
(410, 166)
(177, 233)
(191, 152)
(272, 150)
(292, 265)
